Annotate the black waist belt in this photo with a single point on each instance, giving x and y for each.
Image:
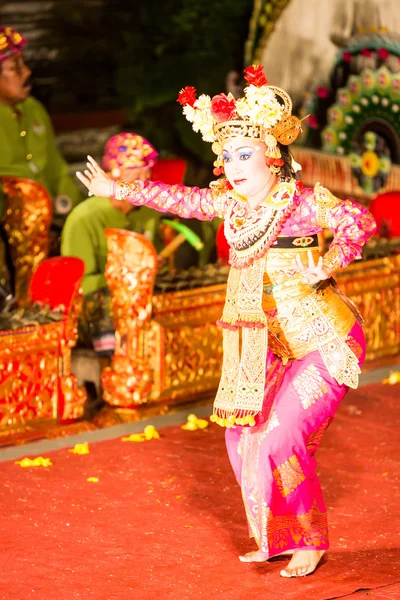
(307, 241)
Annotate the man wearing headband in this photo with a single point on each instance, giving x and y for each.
(132, 157)
(292, 343)
(27, 144)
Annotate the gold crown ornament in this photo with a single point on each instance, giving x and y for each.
(264, 113)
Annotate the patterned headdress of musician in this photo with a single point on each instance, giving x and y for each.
(264, 113)
(128, 150)
(11, 43)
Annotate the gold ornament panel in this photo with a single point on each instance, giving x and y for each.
(27, 219)
(130, 273)
(36, 384)
(29, 375)
(191, 362)
(374, 286)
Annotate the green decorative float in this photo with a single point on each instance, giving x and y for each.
(369, 100)
(370, 162)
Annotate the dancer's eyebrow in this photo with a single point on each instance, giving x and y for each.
(240, 148)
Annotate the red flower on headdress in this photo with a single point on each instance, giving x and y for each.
(187, 96)
(366, 52)
(223, 108)
(254, 75)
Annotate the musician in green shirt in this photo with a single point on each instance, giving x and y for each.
(27, 143)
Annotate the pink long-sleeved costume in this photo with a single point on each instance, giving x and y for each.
(302, 345)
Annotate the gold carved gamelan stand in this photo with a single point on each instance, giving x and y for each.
(26, 220)
(168, 347)
(36, 386)
(374, 286)
(130, 273)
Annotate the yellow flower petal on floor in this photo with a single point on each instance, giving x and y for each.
(134, 437)
(92, 479)
(193, 423)
(39, 461)
(393, 378)
(80, 449)
(149, 433)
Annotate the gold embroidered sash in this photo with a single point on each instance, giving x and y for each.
(240, 393)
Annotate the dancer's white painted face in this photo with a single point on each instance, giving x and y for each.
(245, 166)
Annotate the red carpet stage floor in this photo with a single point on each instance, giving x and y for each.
(165, 518)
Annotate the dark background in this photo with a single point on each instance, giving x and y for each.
(123, 62)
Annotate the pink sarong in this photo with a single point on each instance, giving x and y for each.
(274, 462)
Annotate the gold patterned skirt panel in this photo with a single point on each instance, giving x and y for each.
(290, 334)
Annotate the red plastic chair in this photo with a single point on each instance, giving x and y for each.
(169, 170)
(385, 208)
(56, 280)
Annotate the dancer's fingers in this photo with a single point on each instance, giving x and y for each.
(83, 179)
(299, 262)
(91, 169)
(95, 165)
(311, 262)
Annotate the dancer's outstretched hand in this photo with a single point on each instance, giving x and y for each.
(311, 273)
(96, 180)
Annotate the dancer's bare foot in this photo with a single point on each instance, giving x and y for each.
(303, 562)
(255, 556)
(258, 556)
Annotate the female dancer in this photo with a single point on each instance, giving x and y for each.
(293, 344)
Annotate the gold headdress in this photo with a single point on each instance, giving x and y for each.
(264, 113)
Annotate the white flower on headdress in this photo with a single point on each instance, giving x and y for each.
(199, 120)
(207, 127)
(256, 114)
(202, 118)
(272, 114)
(209, 136)
(207, 130)
(189, 112)
(242, 108)
(260, 95)
(203, 102)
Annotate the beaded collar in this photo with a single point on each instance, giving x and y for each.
(251, 232)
